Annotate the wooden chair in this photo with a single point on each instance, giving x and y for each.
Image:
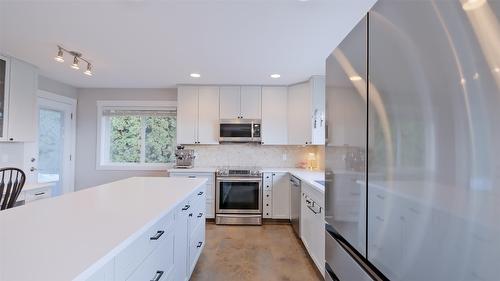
(11, 183)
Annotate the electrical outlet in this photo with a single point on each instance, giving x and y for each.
(284, 156)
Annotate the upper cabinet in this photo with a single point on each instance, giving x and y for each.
(4, 90)
(306, 112)
(240, 102)
(274, 115)
(18, 114)
(197, 115)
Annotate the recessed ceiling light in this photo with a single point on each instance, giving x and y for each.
(275, 76)
(355, 78)
(469, 5)
(496, 69)
(195, 75)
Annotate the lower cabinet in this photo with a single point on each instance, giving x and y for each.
(276, 195)
(210, 189)
(312, 224)
(167, 251)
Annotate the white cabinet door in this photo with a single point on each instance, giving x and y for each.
(22, 102)
(251, 97)
(274, 115)
(281, 196)
(181, 246)
(317, 84)
(230, 102)
(299, 114)
(208, 115)
(187, 115)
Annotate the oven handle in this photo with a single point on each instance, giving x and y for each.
(238, 179)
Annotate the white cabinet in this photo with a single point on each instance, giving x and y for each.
(210, 189)
(251, 100)
(230, 102)
(306, 112)
(18, 114)
(276, 195)
(240, 102)
(167, 251)
(281, 196)
(197, 115)
(274, 115)
(312, 225)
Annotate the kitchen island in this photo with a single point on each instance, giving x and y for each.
(123, 230)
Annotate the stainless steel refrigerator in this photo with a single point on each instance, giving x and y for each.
(413, 144)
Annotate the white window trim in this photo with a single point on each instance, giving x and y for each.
(100, 163)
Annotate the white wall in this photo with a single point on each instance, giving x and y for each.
(86, 174)
(56, 87)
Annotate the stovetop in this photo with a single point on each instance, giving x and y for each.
(239, 172)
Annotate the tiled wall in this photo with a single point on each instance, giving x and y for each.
(254, 155)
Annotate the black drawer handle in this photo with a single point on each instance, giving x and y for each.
(39, 193)
(191, 214)
(199, 244)
(157, 235)
(200, 193)
(158, 275)
(200, 215)
(186, 207)
(192, 177)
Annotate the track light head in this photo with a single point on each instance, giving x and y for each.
(59, 57)
(75, 63)
(89, 70)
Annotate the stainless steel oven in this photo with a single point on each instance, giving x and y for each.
(238, 196)
(239, 130)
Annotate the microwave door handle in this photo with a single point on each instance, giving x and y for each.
(251, 131)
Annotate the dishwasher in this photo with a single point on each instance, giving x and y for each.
(295, 204)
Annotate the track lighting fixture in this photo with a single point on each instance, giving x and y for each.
(89, 70)
(76, 59)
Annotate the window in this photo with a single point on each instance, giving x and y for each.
(137, 136)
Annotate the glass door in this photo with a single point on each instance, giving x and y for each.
(55, 144)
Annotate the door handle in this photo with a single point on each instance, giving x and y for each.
(157, 235)
(312, 210)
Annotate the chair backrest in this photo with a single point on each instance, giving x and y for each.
(11, 183)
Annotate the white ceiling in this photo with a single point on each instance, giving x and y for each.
(157, 44)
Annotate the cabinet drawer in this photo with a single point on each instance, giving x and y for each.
(267, 196)
(160, 262)
(133, 255)
(37, 194)
(197, 243)
(267, 201)
(209, 186)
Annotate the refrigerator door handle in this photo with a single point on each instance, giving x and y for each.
(330, 275)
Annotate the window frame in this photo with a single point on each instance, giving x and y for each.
(102, 147)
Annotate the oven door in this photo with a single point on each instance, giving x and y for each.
(238, 195)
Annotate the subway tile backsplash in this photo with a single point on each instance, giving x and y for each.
(254, 155)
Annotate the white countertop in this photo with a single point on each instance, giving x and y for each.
(63, 237)
(308, 176)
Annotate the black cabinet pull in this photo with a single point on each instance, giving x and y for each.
(157, 235)
(200, 193)
(191, 214)
(158, 275)
(39, 193)
(200, 215)
(192, 177)
(199, 244)
(186, 207)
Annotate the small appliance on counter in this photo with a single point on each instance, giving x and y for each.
(184, 158)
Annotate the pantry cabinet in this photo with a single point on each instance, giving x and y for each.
(274, 115)
(240, 102)
(18, 114)
(306, 112)
(197, 115)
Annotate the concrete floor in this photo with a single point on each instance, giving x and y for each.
(253, 253)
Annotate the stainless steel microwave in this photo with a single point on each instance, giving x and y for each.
(239, 130)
